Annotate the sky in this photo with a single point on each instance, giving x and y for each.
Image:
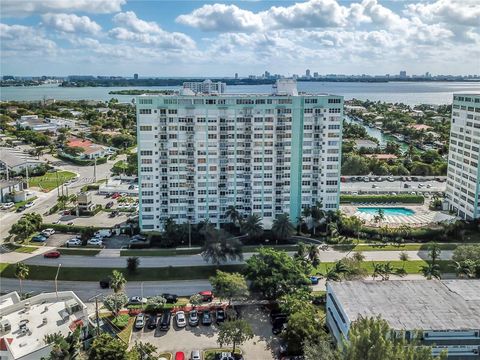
(207, 38)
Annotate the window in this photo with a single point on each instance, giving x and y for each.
(145, 128)
(145, 111)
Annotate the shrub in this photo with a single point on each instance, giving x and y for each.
(406, 199)
(121, 321)
(132, 264)
(69, 228)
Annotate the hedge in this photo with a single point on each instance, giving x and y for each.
(121, 321)
(406, 199)
(416, 234)
(100, 161)
(69, 228)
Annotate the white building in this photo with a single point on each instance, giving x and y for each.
(15, 161)
(265, 154)
(463, 176)
(24, 324)
(206, 87)
(443, 314)
(32, 122)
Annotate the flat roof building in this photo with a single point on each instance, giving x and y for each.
(445, 314)
(24, 324)
(463, 174)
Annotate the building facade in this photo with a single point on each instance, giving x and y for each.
(441, 314)
(263, 154)
(463, 176)
(206, 87)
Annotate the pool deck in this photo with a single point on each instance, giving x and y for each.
(423, 216)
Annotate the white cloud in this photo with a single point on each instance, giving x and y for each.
(23, 8)
(71, 23)
(459, 12)
(131, 28)
(18, 38)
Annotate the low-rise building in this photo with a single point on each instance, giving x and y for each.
(14, 161)
(420, 127)
(9, 188)
(90, 150)
(442, 314)
(365, 144)
(84, 201)
(33, 122)
(206, 87)
(382, 157)
(61, 123)
(25, 323)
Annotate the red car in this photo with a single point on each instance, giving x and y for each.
(116, 195)
(52, 254)
(179, 355)
(206, 295)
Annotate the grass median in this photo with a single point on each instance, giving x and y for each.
(406, 247)
(82, 252)
(50, 180)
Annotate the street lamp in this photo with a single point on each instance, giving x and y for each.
(56, 277)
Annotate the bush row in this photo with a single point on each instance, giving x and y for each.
(100, 161)
(69, 228)
(406, 199)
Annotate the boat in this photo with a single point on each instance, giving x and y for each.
(399, 137)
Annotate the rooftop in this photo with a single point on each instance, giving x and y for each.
(413, 304)
(32, 319)
(382, 156)
(12, 157)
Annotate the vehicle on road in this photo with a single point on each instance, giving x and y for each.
(195, 355)
(52, 254)
(70, 223)
(206, 318)
(220, 315)
(7, 205)
(39, 238)
(113, 214)
(140, 321)
(152, 321)
(207, 295)
(180, 319)
(105, 283)
(179, 355)
(29, 204)
(109, 205)
(165, 320)
(48, 232)
(20, 209)
(193, 318)
(374, 186)
(137, 300)
(115, 195)
(73, 242)
(171, 298)
(95, 242)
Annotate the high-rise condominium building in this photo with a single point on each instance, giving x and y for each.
(463, 178)
(206, 87)
(265, 154)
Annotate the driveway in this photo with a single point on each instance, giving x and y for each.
(204, 337)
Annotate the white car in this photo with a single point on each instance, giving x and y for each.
(95, 242)
(181, 320)
(7, 205)
(48, 232)
(74, 242)
(140, 321)
(29, 204)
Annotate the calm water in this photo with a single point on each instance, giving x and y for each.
(387, 211)
(407, 92)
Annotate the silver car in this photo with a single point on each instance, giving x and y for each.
(195, 355)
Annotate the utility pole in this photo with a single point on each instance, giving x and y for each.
(189, 234)
(56, 285)
(95, 170)
(58, 187)
(96, 312)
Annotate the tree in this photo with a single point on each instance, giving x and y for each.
(235, 332)
(317, 214)
(219, 248)
(231, 286)
(282, 228)
(144, 351)
(195, 300)
(431, 270)
(26, 226)
(113, 302)
(379, 216)
(320, 349)
(303, 325)
(252, 226)
(63, 347)
(106, 347)
(273, 273)
(313, 254)
(73, 150)
(21, 273)
(369, 339)
(132, 264)
(233, 214)
(334, 273)
(403, 258)
(117, 283)
(434, 252)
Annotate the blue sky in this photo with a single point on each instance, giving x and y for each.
(206, 38)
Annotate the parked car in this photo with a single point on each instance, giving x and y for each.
(165, 320)
(140, 321)
(115, 195)
(225, 356)
(181, 320)
(7, 205)
(193, 318)
(195, 355)
(103, 233)
(20, 209)
(276, 313)
(52, 254)
(152, 321)
(105, 283)
(314, 280)
(374, 186)
(179, 355)
(220, 315)
(406, 186)
(206, 318)
(171, 298)
(39, 238)
(137, 300)
(73, 242)
(95, 242)
(29, 204)
(113, 214)
(279, 324)
(206, 295)
(109, 205)
(48, 232)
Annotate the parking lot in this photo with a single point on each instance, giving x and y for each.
(262, 347)
(381, 185)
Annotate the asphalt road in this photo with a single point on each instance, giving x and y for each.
(197, 260)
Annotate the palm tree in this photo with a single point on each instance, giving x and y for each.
(219, 248)
(252, 226)
(317, 214)
(434, 252)
(282, 227)
(411, 151)
(313, 255)
(465, 268)
(21, 273)
(117, 283)
(404, 258)
(387, 270)
(377, 270)
(379, 216)
(431, 271)
(233, 214)
(336, 271)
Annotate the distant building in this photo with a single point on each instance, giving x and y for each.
(463, 174)
(365, 144)
(266, 75)
(381, 157)
(403, 74)
(25, 323)
(419, 127)
(236, 75)
(307, 74)
(9, 187)
(135, 76)
(442, 314)
(206, 87)
(14, 161)
(315, 75)
(84, 201)
(90, 150)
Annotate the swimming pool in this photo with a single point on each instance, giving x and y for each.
(398, 211)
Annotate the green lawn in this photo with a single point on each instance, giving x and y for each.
(83, 252)
(209, 354)
(21, 249)
(50, 181)
(127, 331)
(411, 267)
(406, 247)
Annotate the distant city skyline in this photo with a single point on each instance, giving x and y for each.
(202, 38)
